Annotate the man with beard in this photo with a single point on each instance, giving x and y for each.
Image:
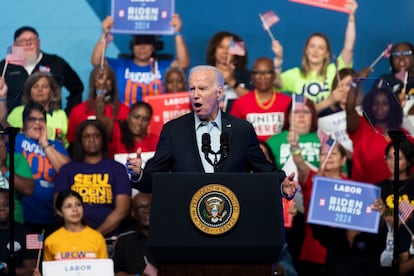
(131, 253)
(36, 60)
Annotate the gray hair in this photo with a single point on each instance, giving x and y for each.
(218, 76)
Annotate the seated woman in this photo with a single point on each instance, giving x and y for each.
(41, 87)
(74, 239)
(133, 133)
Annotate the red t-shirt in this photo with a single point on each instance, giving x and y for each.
(368, 162)
(79, 113)
(267, 118)
(147, 144)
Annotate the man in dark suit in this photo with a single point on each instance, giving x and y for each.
(231, 144)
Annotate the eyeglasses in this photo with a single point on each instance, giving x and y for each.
(34, 119)
(402, 53)
(266, 73)
(27, 41)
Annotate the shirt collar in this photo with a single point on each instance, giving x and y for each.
(198, 122)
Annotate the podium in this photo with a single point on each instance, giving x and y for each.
(216, 224)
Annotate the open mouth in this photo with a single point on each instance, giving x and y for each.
(198, 105)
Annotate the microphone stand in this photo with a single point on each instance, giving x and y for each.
(12, 133)
(396, 136)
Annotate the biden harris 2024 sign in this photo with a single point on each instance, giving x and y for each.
(150, 17)
(344, 204)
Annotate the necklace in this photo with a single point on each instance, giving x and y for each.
(269, 103)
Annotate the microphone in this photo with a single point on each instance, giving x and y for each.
(224, 145)
(206, 143)
(206, 146)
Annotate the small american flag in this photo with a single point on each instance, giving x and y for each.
(327, 142)
(298, 102)
(401, 75)
(15, 55)
(405, 210)
(34, 241)
(149, 270)
(269, 18)
(387, 51)
(237, 48)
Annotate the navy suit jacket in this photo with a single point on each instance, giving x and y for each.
(177, 150)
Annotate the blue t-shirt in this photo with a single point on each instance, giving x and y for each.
(38, 208)
(135, 81)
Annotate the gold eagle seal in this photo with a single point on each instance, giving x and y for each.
(214, 209)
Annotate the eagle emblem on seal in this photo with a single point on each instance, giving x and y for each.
(214, 207)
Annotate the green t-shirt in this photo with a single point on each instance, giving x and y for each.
(308, 143)
(314, 87)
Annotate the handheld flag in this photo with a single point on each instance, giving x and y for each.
(149, 270)
(237, 48)
(268, 19)
(405, 210)
(401, 75)
(15, 55)
(327, 144)
(34, 241)
(386, 53)
(299, 102)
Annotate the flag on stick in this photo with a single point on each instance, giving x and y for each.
(298, 102)
(34, 241)
(386, 53)
(268, 19)
(327, 144)
(237, 48)
(405, 210)
(15, 55)
(149, 270)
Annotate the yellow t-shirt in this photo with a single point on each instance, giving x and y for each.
(65, 245)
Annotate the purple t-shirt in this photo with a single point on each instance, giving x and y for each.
(98, 184)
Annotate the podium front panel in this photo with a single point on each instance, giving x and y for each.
(257, 237)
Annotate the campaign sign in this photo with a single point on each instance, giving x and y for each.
(142, 16)
(344, 204)
(336, 5)
(166, 107)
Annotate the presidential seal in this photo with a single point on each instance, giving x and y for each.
(214, 209)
